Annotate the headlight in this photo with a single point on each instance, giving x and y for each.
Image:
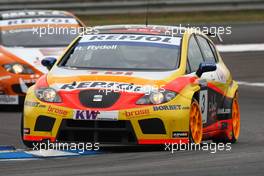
(157, 98)
(48, 95)
(18, 68)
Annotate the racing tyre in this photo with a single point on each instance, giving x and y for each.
(195, 123)
(28, 144)
(235, 124)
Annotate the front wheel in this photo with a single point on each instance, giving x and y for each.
(195, 123)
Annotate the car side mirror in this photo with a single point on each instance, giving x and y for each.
(48, 62)
(205, 67)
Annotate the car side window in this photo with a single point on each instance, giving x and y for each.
(214, 51)
(194, 55)
(206, 49)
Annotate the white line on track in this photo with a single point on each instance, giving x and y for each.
(254, 84)
(241, 47)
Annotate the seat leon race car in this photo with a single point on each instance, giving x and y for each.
(134, 85)
(26, 37)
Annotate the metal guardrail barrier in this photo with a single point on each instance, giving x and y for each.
(119, 7)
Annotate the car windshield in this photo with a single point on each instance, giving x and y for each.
(29, 38)
(123, 51)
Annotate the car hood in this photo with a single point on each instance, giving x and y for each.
(61, 78)
(33, 56)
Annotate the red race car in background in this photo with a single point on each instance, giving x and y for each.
(26, 37)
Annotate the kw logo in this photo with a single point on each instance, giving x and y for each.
(86, 115)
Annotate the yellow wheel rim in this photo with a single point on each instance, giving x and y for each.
(196, 127)
(236, 118)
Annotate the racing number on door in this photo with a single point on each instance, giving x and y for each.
(203, 101)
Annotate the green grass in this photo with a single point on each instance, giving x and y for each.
(176, 18)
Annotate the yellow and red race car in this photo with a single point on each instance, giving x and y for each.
(26, 37)
(134, 84)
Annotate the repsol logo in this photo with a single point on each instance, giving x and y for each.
(132, 38)
(85, 85)
(86, 115)
(21, 14)
(40, 20)
(167, 107)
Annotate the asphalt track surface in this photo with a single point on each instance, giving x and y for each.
(245, 158)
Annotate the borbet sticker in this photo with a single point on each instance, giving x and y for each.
(166, 107)
(131, 38)
(95, 115)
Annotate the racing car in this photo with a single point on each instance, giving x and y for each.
(26, 37)
(134, 84)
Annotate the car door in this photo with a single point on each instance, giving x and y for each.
(210, 98)
(216, 82)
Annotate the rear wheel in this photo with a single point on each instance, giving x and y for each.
(235, 120)
(196, 126)
(235, 124)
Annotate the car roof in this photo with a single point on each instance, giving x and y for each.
(17, 14)
(176, 31)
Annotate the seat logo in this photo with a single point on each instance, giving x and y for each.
(98, 98)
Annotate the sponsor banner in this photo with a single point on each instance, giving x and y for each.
(112, 73)
(136, 74)
(95, 115)
(34, 104)
(38, 21)
(99, 84)
(223, 111)
(131, 38)
(179, 134)
(57, 111)
(9, 99)
(28, 13)
(107, 87)
(136, 113)
(167, 107)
